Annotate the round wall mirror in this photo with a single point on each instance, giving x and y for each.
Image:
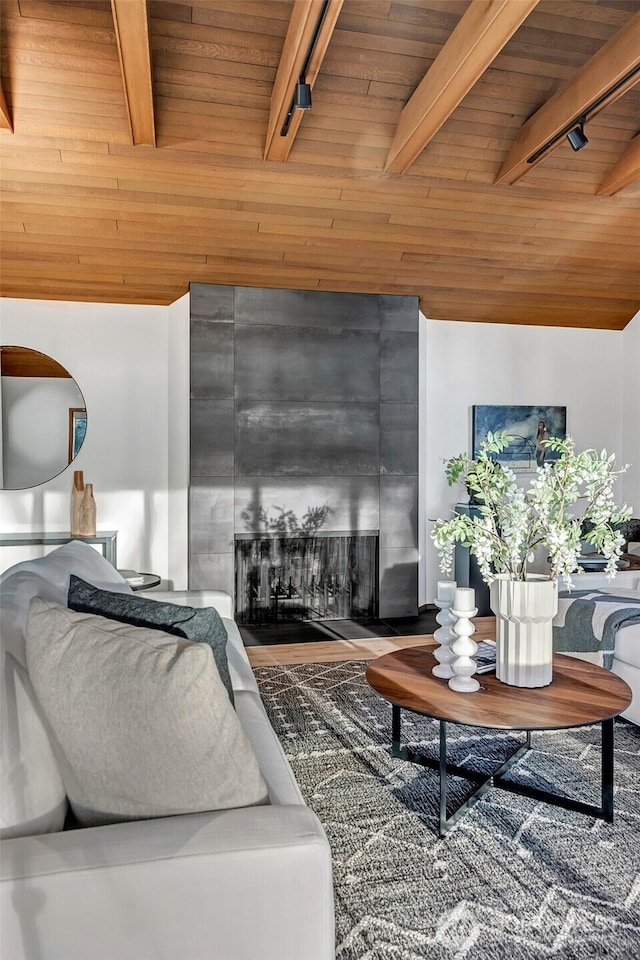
(44, 418)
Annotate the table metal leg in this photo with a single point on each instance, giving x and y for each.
(607, 770)
(110, 551)
(396, 749)
(497, 779)
(443, 777)
(444, 768)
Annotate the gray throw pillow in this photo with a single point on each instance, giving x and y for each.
(203, 625)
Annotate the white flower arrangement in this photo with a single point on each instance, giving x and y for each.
(512, 521)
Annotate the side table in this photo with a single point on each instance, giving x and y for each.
(140, 581)
(580, 694)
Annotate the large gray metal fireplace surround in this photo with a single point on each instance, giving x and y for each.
(304, 427)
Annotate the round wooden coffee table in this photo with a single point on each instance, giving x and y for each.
(580, 694)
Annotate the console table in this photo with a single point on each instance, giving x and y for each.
(105, 538)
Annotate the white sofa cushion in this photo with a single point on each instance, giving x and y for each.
(48, 577)
(142, 722)
(32, 795)
(217, 599)
(274, 766)
(628, 645)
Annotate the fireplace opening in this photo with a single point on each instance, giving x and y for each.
(328, 576)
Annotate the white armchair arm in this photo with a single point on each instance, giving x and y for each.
(194, 598)
(250, 884)
(624, 579)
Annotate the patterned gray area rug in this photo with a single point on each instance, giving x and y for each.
(514, 879)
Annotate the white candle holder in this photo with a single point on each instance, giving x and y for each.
(444, 635)
(464, 648)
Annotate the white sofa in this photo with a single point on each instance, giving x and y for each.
(240, 884)
(626, 658)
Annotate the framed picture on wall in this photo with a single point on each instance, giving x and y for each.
(528, 428)
(77, 430)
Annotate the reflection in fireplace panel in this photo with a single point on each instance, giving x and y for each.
(320, 577)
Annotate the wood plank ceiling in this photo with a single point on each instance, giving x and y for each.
(408, 175)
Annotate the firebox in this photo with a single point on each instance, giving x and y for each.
(324, 576)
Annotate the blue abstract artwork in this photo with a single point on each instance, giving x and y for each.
(77, 430)
(528, 428)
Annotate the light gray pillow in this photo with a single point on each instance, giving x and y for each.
(203, 625)
(142, 723)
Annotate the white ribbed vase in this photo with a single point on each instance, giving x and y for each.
(524, 612)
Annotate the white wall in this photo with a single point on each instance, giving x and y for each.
(179, 443)
(119, 357)
(631, 413)
(472, 363)
(132, 364)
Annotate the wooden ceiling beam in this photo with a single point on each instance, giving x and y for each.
(476, 41)
(625, 172)
(131, 22)
(308, 16)
(5, 116)
(607, 68)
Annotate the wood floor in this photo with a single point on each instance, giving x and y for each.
(330, 651)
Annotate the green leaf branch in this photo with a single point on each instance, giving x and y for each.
(512, 522)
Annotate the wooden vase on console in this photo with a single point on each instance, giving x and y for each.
(87, 513)
(77, 493)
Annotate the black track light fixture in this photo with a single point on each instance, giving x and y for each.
(302, 97)
(302, 90)
(577, 137)
(574, 130)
